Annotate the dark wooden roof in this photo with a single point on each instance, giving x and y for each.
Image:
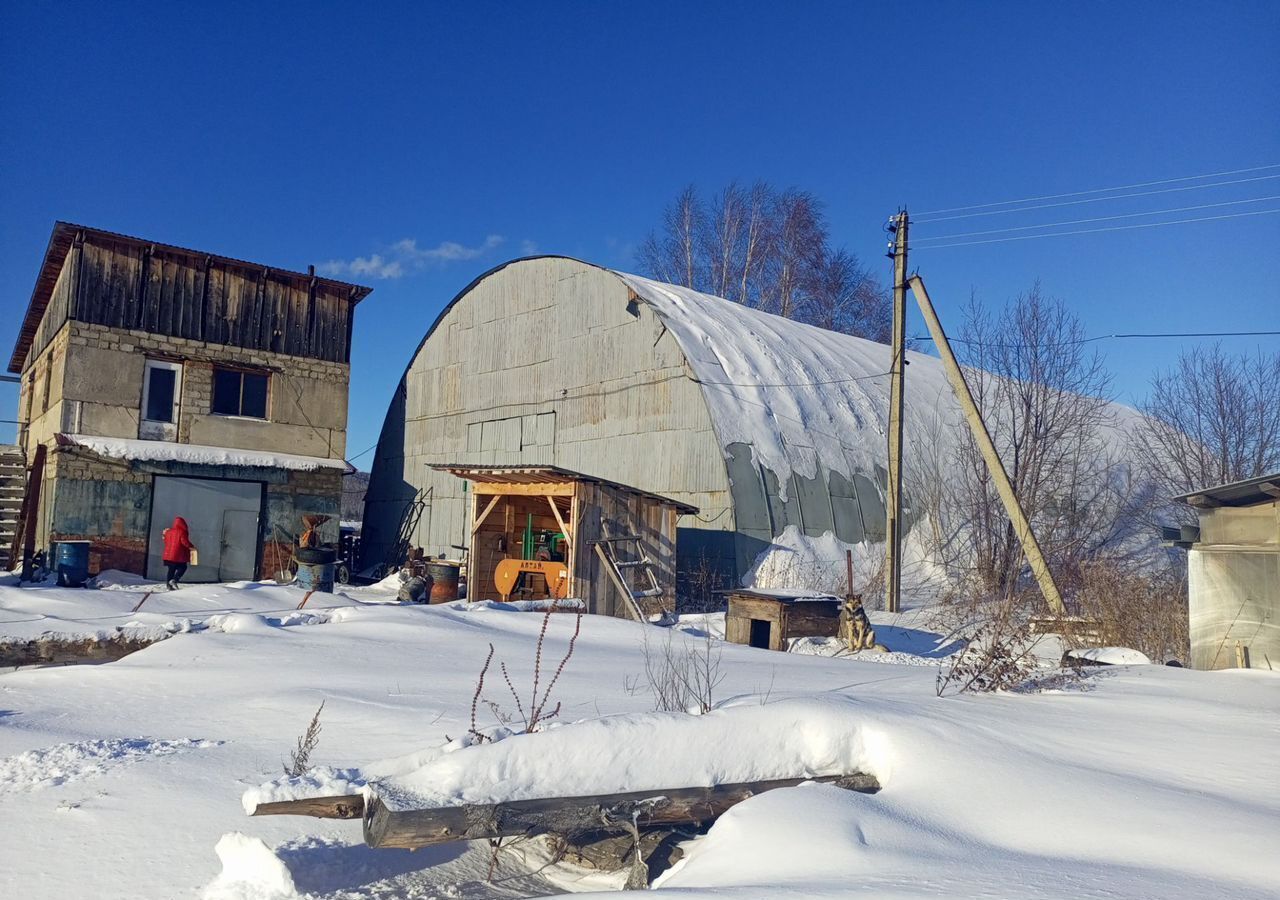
(60, 244)
(1250, 492)
(534, 474)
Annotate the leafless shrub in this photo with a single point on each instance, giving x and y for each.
(683, 677)
(701, 585)
(1143, 610)
(536, 712)
(999, 647)
(300, 758)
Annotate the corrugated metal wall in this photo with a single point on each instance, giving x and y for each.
(544, 361)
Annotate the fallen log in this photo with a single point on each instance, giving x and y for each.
(413, 828)
(342, 806)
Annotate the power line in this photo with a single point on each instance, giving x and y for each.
(1172, 190)
(362, 452)
(788, 383)
(1032, 237)
(1121, 187)
(1107, 337)
(1154, 212)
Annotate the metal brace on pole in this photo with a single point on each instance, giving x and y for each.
(1021, 525)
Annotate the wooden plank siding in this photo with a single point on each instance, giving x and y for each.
(123, 282)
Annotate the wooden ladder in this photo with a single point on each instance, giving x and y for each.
(635, 594)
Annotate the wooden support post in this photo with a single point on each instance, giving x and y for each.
(475, 526)
(30, 511)
(1021, 525)
(555, 511)
(897, 365)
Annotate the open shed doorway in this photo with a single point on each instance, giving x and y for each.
(223, 519)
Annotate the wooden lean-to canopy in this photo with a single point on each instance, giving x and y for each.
(639, 527)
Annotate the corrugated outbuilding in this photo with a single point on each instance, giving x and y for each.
(1233, 575)
(762, 423)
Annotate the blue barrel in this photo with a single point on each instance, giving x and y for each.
(71, 562)
(316, 576)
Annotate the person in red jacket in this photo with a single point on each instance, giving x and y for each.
(177, 551)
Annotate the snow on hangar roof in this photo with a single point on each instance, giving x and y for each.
(796, 393)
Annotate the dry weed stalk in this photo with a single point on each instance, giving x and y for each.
(300, 758)
(537, 712)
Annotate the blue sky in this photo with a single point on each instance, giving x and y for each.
(448, 138)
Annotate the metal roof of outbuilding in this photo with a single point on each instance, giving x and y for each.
(539, 474)
(1250, 492)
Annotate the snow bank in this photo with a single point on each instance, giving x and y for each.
(250, 871)
(61, 763)
(791, 738)
(1111, 656)
(199, 454)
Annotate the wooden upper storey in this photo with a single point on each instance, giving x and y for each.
(96, 276)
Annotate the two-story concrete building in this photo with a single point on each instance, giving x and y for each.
(162, 381)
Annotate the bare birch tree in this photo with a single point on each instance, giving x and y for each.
(675, 255)
(767, 249)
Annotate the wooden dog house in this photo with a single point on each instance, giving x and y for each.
(770, 619)
(618, 538)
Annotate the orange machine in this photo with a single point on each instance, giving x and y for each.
(509, 571)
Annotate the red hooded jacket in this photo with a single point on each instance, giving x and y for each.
(177, 542)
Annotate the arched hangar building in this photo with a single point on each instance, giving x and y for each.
(760, 422)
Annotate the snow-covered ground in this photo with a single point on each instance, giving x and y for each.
(119, 780)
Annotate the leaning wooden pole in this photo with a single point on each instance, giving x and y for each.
(897, 365)
(1021, 525)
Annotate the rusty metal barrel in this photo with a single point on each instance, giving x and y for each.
(444, 580)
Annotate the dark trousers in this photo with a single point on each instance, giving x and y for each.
(176, 571)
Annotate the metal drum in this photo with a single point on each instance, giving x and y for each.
(444, 580)
(71, 562)
(316, 576)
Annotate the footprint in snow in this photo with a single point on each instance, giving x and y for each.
(61, 763)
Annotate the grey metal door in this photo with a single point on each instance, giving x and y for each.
(204, 502)
(238, 554)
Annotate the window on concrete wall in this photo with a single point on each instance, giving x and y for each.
(161, 394)
(160, 391)
(240, 393)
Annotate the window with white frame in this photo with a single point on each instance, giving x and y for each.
(161, 390)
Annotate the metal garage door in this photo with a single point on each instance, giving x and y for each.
(223, 518)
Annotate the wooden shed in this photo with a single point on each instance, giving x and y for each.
(619, 542)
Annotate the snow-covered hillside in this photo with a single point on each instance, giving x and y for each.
(119, 780)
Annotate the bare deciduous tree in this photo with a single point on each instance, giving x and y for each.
(1212, 418)
(768, 249)
(1043, 392)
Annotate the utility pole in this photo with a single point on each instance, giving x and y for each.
(897, 365)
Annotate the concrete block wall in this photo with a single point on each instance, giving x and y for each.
(104, 367)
